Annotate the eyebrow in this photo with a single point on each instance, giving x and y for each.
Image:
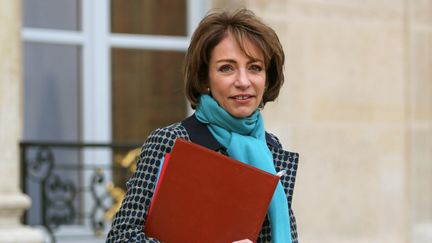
(233, 61)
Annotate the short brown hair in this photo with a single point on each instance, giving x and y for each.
(241, 24)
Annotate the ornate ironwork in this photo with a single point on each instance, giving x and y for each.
(41, 167)
(59, 195)
(59, 198)
(98, 182)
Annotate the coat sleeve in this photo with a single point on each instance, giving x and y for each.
(288, 161)
(129, 221)
(293, 225)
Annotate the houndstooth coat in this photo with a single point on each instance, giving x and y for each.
(127, 225)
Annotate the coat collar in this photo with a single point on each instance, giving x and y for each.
(199, 134)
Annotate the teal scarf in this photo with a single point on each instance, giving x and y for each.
(245, 141)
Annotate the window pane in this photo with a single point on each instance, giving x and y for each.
(52, 81)
(52, 112)
(147, 92)
(161, 17)
(52, 14)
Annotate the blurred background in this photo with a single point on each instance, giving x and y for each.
(82, 83)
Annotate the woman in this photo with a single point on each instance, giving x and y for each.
(233, 67)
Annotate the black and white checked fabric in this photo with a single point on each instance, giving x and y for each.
(128, 223)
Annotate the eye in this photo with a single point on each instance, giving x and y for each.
(255, 68)
(225, 68)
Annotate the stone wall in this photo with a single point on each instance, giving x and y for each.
(419, 117)
(357, 106)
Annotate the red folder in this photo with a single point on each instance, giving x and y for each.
(205, 196)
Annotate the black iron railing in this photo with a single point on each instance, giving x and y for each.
(71, 183)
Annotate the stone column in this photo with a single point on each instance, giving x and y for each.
(12, 201)
(419, 109)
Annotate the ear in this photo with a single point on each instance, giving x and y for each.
(206, 87)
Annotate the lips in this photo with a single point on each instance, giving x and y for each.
(241, 97)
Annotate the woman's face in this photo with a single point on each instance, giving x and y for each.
(236, 81)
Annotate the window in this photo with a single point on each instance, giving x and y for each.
(102, 71)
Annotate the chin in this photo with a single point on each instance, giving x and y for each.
(241, 114)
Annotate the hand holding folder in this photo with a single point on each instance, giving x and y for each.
(204, 196)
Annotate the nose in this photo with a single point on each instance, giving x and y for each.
(242, 80)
